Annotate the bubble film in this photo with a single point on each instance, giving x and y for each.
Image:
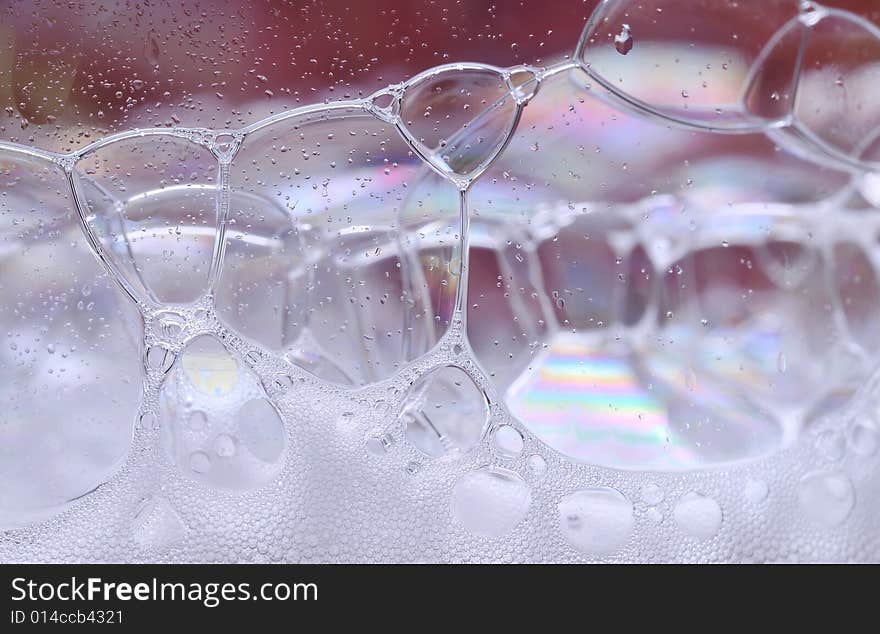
(621, 306)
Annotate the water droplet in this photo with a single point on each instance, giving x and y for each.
(490, 502)
(690, 379)
(698, 516)
(826, 497)
(200, 462)
(596, 521)
(152, 50)
(623, 41)
(652, 494)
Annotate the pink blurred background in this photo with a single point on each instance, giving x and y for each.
(72, 71)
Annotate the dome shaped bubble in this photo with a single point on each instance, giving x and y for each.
(151, 202)
(696, 62)
(490, 502)
(639, 311)
(217, 426)
(459, 117)
(486, 314)
(836, 107)
(800, 69)
(444, 412)
(69, 358)
(342, 249)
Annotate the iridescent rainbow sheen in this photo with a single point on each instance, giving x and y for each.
(599, 407)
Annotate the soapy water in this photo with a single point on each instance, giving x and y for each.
(623, 307)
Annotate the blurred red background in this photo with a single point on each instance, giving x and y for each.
(72, 71)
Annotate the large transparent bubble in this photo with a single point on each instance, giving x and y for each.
(621, 307)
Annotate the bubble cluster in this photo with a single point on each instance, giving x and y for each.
(486, 314)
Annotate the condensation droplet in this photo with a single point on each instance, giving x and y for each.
(152, 50)
(623, 41)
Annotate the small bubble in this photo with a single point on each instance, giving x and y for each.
(200, 462)
(831, 444)
(489, 502)
(159, 358)
(654, 516)
(652, 494)
(698, 516)
(379, 445)
(508, 440)
(283, 382)
(864, 439)
(537, 465)
(149, 421)
(596, 521)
